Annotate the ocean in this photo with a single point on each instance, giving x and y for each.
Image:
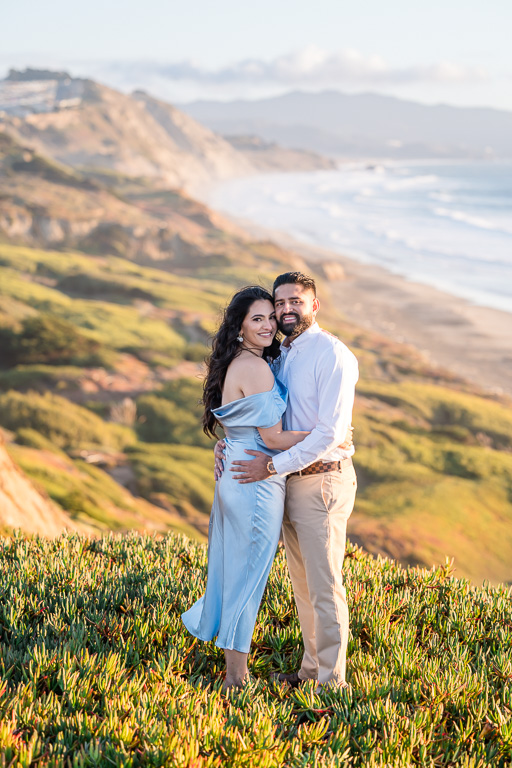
(445, 224)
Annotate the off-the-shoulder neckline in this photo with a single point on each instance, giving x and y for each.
(241, 399)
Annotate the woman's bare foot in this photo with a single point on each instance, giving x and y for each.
(234, 682)
(237, 673)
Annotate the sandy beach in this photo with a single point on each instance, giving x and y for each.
(471, 341)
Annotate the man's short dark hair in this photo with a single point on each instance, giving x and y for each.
(294, 278)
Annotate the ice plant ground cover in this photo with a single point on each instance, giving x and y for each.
(97, 669)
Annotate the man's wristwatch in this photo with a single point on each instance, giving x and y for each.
(270, 468)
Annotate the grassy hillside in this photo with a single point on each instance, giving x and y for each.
(125, 398)
(435, 471)
(96, 668)
(110, 326)
(434, 457)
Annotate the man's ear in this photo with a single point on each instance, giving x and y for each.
(316, 305)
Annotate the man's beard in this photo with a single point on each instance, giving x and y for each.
(298, 327)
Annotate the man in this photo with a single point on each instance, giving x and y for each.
(320, 373)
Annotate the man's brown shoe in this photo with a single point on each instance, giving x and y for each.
(292, 678)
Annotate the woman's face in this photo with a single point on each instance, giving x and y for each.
(259, 326)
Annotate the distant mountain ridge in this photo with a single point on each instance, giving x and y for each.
(362, 124)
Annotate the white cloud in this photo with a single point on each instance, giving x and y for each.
(310, 69)
(315, 67)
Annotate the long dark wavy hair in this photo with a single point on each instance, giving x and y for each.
(225, 347)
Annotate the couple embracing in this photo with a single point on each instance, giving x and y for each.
(290, 407)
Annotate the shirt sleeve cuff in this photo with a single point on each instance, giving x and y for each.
(282, 465)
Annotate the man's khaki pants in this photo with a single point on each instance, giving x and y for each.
(314, 530)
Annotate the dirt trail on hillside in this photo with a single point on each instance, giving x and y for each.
(131, 379)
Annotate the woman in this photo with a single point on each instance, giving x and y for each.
(241, 394)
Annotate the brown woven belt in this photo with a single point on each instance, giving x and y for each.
(323, 466)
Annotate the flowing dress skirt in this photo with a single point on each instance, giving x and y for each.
(245, 525)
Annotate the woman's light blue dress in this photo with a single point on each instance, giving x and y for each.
(245, 524)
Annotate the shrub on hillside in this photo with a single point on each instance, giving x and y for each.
(183, 473)
(460, 415)
(162, 421)
(65, 424)
(40, 377)
(51, 340)
(115, 288)
(173, 414)
(185, 393)
(195, 352)
(33, 439)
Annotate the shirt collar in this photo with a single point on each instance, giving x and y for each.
(304, 337)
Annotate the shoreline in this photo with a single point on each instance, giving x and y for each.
(472, 341)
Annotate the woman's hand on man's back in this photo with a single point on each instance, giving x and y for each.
(218, 452)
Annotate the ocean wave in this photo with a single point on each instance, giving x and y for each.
(449, 223)
(397, 185)
(394, 236)
(333, 210)
(441, 197)
(474, 221)
(282, 198)
(419, 242)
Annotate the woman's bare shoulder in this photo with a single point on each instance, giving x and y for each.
(249, 363)
(252, 374)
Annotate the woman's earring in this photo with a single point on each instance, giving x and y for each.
(240, 338)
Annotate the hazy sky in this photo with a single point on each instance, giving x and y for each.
(452, 51)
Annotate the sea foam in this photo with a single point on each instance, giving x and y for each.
(444, 224)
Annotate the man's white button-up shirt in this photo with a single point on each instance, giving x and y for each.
(320, 373)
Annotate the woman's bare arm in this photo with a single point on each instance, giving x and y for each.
(279, 439)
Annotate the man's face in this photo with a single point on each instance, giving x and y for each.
(296, 308)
